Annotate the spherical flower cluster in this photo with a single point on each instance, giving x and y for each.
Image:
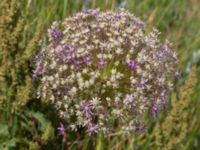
(103, 72)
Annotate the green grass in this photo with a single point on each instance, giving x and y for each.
(177, 20)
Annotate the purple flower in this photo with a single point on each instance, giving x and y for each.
(133, 64)
(177, 74)
(154, 111)
(160, 55)
(78, 62)
(38, 71)
(140, 128)
(39, 56)
(52, 45)
(92, 129)
(34, 77)
(102, 63)
(54, 34)
(64, 53)
(61, 129)
(88, 59)
(117, 17)
(86, 109)
(139, 23)
(129, 100)
(142, 82)
(91, 12)
(59, 48)
(164, 102)
(166, 48)
(164, 97)
(168, 52)
(71, 49)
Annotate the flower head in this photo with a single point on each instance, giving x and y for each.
(102, 63)
(103, 73)
(92, 129)
(129, 100)
(133, 64)
(154, 110)
(61, 129)
(86, 109)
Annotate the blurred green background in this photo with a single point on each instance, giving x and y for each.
(28, 123)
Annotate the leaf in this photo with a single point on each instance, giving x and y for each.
(43, 122)
(48, 134)
(3, 130)
(9, 143)
(85, 143)
(99, 142)
(33, 146)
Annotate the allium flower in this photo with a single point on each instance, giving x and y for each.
(92, 129)
(38, 71)
(103, 72)
(133, 64)
(86, 109)
(61, 129)
(129, 100)
(154, 111)
(102, 63)
(54, 34)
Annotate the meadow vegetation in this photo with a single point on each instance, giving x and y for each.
(28, 123)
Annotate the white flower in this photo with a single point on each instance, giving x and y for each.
(73, 127)
(95, 101)
(85, 71)
(73, 91)
(91, 81)
(52, 98)
(50, 78)
(129, 100)
(87, 84)
(113, 71)
(65, 97)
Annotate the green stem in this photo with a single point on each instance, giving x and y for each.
(63, 142)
